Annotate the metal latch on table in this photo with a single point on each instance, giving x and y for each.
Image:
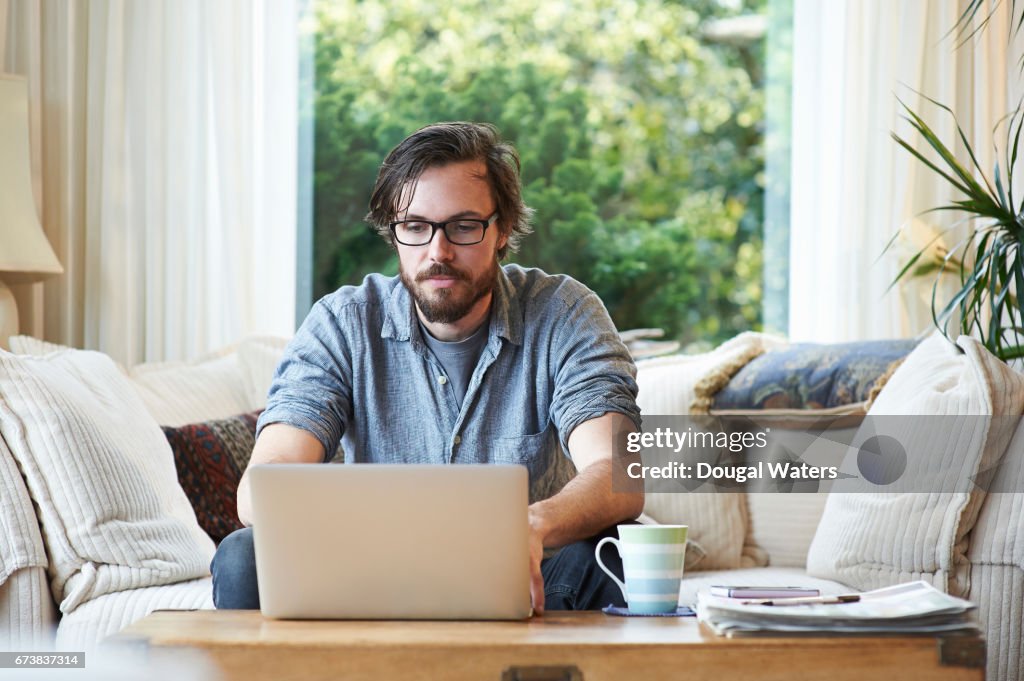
(962, 651)
(554, 673)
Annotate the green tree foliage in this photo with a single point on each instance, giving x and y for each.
(641, 144)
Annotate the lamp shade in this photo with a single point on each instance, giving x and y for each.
(25, 254)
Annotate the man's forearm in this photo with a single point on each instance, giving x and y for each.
(584, 507)
(278, 443)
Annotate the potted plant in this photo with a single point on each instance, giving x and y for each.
(989, 261)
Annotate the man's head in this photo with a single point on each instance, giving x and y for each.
(463, 175)
(443, 144)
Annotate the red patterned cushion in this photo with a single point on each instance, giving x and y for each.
(210, 458)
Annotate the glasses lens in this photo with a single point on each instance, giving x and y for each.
(465, 231)
(413, 233)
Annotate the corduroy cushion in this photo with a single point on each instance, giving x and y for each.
(210, 458)
(870, 539)
(102, 474)
(21, 545)
(26, 609)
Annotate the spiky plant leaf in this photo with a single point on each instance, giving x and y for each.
(991, 267)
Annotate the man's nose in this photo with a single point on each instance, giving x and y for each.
(441, 250)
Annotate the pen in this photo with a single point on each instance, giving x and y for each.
(816, 600)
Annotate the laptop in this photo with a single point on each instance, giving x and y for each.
(383, 541)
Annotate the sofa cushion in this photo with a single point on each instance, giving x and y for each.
(84, 628)
(21, 545)
(27, 345)
(870, 539)
(998, 590)
(668, 385)
(210, 458)
(718, 522)
(102, 475)
(177, 393)
(811, 376)
(998, 536)
(783, 524)
(260, 356)
(27, 613)
(25, 616)
(997, 563)
(784, 513)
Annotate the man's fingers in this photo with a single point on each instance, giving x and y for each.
(537, 593)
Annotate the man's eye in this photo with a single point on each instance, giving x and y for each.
(466, 227)
(416, 227)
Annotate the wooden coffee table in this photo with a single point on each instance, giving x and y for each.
(587, 646)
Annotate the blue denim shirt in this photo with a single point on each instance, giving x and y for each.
(359, 372)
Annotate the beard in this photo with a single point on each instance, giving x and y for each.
(448, 305)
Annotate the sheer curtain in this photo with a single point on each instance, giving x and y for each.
(164, 141)
(852, 186)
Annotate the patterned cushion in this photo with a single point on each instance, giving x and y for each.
(811, 376)
(210, 458)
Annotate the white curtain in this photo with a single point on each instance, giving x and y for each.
(164, 143)
(852, 185)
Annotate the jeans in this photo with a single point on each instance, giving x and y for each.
(572, 578)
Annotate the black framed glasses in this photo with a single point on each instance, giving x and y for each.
(461, 231)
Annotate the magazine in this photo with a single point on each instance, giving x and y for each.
(904, 609)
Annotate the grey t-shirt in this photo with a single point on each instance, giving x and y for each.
(458, 358)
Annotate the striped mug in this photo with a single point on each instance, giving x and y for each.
(652, 563)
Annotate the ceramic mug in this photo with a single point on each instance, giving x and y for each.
(652, 563)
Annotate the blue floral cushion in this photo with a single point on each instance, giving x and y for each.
(811, 376)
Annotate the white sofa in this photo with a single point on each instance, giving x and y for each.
(747, 538)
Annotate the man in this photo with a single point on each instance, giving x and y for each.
(459, 360)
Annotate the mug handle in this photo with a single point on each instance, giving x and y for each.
(597, 555)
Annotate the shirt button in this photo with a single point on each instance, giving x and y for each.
(458, 440)
(442, 379)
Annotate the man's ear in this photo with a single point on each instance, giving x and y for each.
(502, 240)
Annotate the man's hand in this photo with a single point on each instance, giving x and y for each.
(587, 504)
(536, 578)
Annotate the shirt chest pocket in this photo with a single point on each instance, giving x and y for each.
(532, 451)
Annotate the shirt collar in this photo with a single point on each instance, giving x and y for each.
(506, 313)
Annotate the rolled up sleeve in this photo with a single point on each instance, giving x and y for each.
(595, 373)
(312, 388)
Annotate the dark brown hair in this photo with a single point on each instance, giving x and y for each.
(455, 142)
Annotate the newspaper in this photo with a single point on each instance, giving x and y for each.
(911, 608)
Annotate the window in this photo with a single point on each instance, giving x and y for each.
(640, 124)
